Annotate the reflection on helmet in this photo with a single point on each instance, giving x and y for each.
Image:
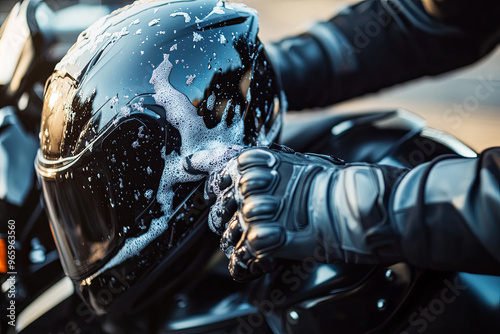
(141, 90)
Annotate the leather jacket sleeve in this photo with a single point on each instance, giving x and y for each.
(446, 214)
(379, 43)
(274, 205)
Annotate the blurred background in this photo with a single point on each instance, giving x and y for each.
(6, 5)
(435, 99)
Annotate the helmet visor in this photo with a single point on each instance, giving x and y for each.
(85, 234)
(93, 199)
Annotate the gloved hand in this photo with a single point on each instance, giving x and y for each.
(279, 205)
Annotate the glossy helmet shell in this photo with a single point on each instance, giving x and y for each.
(142, 88)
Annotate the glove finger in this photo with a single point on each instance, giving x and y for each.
(244, 267)
(256, 158)
(256, 180)
(260, 208)
(215, 218)
(227, 209)
(225, 180)
(264, 237)
(251, 258)
(217, 182)
(241, 265)
(230, 204)
(231, 236)
(222, 211)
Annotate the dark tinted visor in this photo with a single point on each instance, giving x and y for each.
(80, 207)
(104, 195)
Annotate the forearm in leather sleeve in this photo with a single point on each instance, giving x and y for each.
(447, 214)
(379, 43)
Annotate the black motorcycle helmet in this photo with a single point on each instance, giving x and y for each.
(141, 89)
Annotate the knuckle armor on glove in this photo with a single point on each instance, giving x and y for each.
(292, 206)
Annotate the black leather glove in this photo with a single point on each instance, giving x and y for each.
(279, 205)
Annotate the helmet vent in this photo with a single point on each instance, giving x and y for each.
(222, 24)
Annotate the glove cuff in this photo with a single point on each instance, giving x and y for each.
(350, 214)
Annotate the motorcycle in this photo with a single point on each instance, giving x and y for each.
(301, 297)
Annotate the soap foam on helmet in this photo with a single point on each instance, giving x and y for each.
(209, 150)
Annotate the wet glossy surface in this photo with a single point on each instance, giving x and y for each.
(117, 57)
(116, 111)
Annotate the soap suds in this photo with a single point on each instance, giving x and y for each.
(197, 37)
(222, 39)
(230, 167)
(190, 79)
(186, 16)
(153, 22)
(208, 150)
